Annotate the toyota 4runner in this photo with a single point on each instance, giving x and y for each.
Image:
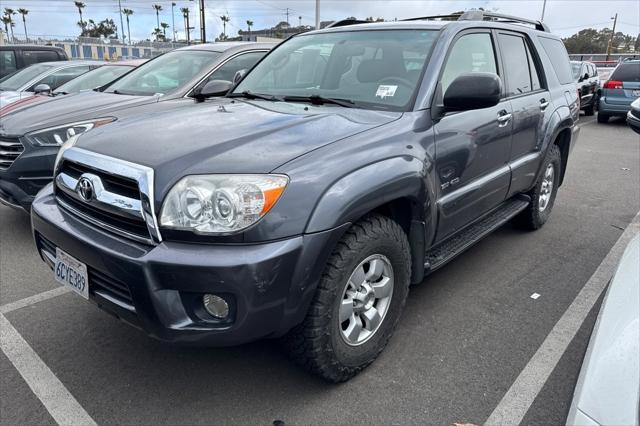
(349, 163)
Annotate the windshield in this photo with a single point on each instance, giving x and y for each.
(371, 69)
(575, 69)
(165, 74)
(18, 79)
(95, 78)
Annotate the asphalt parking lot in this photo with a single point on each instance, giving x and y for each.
(466, 334)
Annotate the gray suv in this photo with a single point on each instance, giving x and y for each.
(348, 164)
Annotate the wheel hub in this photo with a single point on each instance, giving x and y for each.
(546, 188)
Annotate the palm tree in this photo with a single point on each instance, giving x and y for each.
(8, 12)
(225, 19)
(80, 6)
(164, 26)
(6, 21)
(249, 25)
(158, 9)
(185, 15)
(24, 13)
(127, 13)
(157, 33)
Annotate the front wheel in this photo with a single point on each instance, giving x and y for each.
(358, 302)
(544, 192)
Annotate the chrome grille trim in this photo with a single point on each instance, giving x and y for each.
(143, 175)
(10, 150)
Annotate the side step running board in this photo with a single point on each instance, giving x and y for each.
(452, 247)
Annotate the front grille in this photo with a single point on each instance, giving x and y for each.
(99, 283)
(113, 183)
(10, 149)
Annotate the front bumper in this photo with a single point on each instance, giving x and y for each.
(633, 120)
(29, 173)
(159, 288)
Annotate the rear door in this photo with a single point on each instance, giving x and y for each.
(472, 147)
(530, 103)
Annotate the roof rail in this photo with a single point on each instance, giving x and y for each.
(345, 22)
(481, 15)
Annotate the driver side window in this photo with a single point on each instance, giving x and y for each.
(470, 53)
(229, 69)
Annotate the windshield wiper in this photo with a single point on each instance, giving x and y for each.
(320, 100)
(250, 95)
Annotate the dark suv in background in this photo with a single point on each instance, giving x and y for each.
(349, 163)
(16, 57)
(586, 76)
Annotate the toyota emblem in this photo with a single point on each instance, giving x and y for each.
(85, 189)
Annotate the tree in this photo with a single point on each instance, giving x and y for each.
(127, 13)
(80, 6)
(225, 19)
(8, 12)
(249, 25)
(105, 28)
(185, 15)
(24, 12)
(157, 33)
(158, 9)
(591, 40)
(164, 26)
(6, 21)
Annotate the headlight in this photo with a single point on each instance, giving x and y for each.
(56, 136)
(220, 204)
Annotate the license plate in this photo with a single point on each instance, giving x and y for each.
(72, 273)
(636, 92)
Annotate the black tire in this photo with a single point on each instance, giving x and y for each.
(317, 343)
(589, 111)
(532, 218)
(603, 118)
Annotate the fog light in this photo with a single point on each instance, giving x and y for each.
(216, 306)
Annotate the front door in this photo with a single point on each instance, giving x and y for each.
(472, 147)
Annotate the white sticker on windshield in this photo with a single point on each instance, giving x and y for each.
(386, 91)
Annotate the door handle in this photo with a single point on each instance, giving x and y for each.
(503, 118)
(544, 104)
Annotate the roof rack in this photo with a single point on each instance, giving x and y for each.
(345, 22)
(481, 15)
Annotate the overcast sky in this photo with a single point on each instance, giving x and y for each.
(565, 17)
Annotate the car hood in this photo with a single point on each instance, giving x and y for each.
(9, 96)
(227, 136)
(68, 109)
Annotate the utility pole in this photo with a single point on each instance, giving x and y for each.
(317, 14)
(544, 6)
(299, 21)
(613, 33)
(287, 13)
(121, 23)
(173, 21)
(203, 35)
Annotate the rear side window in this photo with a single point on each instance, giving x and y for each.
(471, 53)
(559, 58)
(519, 68)
(627, 72)
(35, 56)
(7, 62)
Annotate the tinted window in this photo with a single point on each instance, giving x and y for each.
(516, 64)
(228, 70)
(627, 72)
(366, 67)
(18, 79)
(35, 56)
(559, 58)
(7, 62)
(533, 70)
(58, 78)
(471, 53)
(95, 78)
(166, 73)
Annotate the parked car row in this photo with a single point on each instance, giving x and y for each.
(16, 57)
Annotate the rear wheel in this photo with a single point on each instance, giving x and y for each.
(590, 110)
(603, 118)
(358, 301)
(543, 194)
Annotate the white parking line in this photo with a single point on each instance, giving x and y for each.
(516, 402)
(27, 301)
(55, 397)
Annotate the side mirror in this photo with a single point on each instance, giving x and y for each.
(42, 89)
(214, 88)
(474, 90)
(239, 75)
